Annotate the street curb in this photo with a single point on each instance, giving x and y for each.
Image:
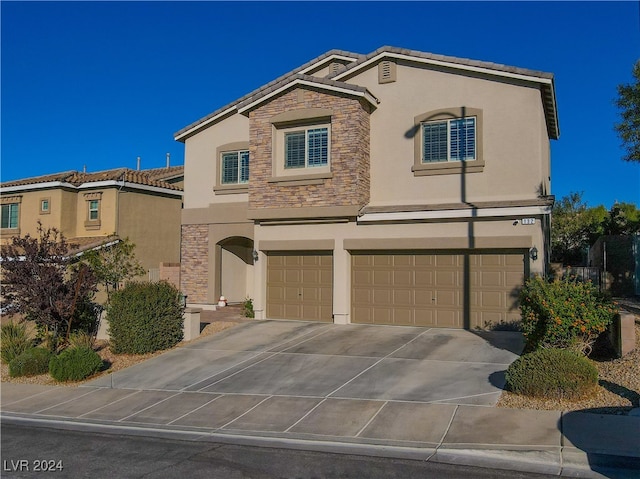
(541, 461)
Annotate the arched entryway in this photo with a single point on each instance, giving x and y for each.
(235, 270)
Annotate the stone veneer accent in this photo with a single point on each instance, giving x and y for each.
(194, 269)
(349, 158)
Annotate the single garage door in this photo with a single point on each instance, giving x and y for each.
(437, 290)
(300, 286)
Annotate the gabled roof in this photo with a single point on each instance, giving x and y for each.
(299, 79)
(544, 79)
(360, 62)
(316, 63)
(76, 179)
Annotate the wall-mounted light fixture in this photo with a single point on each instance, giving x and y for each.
(255, 255)
(533, 253)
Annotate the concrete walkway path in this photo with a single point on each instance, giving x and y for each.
(389, 391)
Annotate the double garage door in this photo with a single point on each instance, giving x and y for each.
(451, 290)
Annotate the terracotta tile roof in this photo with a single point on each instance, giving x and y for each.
(151, 177)
(39, 179)
(81, 244)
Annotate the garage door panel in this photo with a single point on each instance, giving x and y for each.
(490, 279)
(382, 260)
(382, 278)
(383, 316)
(403, 297)
(424, 317)
(402, 278)
(402, 316)
(382, 297)
(300, 286)
(424, 278)
(446, 279)
(402, 260)
(433, 285)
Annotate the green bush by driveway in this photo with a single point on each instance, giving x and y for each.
(145, 317)
(552, 373)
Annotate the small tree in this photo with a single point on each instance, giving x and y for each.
(574, 227)
(39, 283)
(628, 129)
(114, 264)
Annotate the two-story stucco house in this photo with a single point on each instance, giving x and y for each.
(90, 208)
(398, 187)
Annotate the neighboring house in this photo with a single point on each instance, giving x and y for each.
(89, 208)
(397, 187)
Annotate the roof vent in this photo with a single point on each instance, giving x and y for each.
(386, 71)
(334, 67)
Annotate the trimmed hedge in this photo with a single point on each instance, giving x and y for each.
(31, 362)
(552, 373)
(74, 364)
(145, 317)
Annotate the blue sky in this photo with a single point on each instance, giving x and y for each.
(99, 84)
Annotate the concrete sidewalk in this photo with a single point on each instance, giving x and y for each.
(396, 392)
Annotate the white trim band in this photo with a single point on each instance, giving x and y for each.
(516, 211)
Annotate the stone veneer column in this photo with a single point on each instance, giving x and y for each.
(349, 159)
(194, 269)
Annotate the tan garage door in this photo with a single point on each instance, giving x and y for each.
(300, 286)
(434, 290)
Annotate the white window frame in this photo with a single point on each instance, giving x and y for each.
(239, 180)
(12, 207)
(307, 131)
(449, 134)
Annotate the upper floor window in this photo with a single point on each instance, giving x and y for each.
(44, 206)
(10, 215)
(307, 148)
(449, 140)
(235, 167)
(94, 210)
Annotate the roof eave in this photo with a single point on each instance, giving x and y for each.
(365, 94)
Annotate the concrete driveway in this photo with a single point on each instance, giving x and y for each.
(310, 362)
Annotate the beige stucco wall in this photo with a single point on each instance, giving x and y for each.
(152, 222)
(515, 140)
(107, 212)
(200, 161)
(61, 215)
(493, 234)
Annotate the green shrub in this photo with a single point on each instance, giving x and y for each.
(14, 340)
(248, 308)
(552, 373)
(74, 364)
(563, 314)
(145, 317)
(31, 362)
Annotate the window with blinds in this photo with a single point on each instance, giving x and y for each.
(449, 140)
(235, 167)
(307, 148)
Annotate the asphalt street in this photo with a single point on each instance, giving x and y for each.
(75, 454)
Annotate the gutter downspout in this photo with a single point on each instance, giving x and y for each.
(117, 232)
